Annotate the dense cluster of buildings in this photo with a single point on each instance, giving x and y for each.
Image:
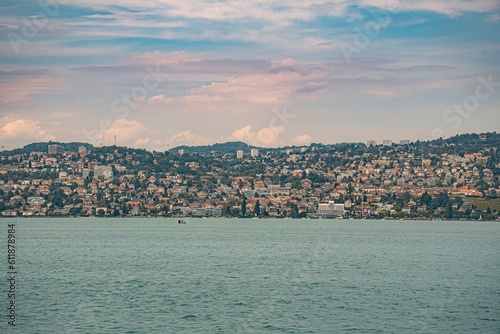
(388, 180)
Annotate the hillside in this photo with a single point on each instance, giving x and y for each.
(459, 144)
(43, 147)
(218, 147)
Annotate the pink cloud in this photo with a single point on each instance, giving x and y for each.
(159, 57)
(156, 99)
(22, 129)
(130, 133)
(14, 89)
(262, 88)
(267, 137)
(244, 134)
(302, 139)
(188, 99)
(270, 136)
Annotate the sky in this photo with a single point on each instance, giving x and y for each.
(158, 74)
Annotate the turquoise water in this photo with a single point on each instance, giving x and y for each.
(253, 276)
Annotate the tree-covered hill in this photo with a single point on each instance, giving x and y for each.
(459, 144)
(43, 147)
(229, 147)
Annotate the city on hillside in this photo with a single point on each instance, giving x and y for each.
(455, 179)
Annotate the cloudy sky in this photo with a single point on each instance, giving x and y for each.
(157, 74)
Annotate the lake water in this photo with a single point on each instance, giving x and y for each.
(253, 276)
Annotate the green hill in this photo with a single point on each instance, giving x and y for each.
(43, 147)
(459, 144)
(229, 147)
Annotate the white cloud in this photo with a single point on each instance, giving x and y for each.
(156, 99)
(159, 57)
(189, 138)
(22, 130)
(142, 142)
(269, 136)
(277, 13)
(129, 133)
(302, 139)
(287, 63)
(65, 114)
(266, 137)
(244, 134)
(275, 87)
(133, 133)
(194, 99)
(448, 7)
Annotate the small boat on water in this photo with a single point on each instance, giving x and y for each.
(181, 221)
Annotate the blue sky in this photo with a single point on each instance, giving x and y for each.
(159, 74)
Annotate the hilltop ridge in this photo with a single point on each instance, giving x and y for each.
(466, 141)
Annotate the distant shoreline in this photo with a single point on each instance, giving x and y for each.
(251, 218)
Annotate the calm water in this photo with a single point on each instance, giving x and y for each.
(253, 276)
